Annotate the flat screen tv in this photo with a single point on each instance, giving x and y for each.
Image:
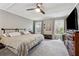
(72, 20)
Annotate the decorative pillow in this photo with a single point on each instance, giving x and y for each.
(14, 34)
(22, 33)
(6, 35)
(31, 32)
(25, 32)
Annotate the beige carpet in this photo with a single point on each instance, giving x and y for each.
(49, 48)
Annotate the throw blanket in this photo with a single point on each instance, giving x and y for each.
(21, 44)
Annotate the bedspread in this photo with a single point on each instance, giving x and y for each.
(21, 44)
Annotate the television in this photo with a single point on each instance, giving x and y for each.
(72, 20)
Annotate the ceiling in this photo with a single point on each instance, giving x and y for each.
(51, 9)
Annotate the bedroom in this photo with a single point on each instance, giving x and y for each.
(30, 32)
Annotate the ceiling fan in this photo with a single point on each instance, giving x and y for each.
(38, 8)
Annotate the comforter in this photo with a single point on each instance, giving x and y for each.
(20, 45)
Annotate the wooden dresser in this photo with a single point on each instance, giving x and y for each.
(72, 43)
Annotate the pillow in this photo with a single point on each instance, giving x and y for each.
(31, 32)
(6, 35)
(14, 34)
(25, 32)
(22, 33)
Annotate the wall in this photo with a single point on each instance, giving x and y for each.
(78, 14)
(48, 27)
(9, 20)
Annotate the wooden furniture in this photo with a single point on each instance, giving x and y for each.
(48, 36)
(15, 29)
(72, 43)
(76, 39)
(2, 46)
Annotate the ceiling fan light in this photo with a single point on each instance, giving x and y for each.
(37, 10)
(39, 5)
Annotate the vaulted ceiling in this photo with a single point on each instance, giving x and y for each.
(51, 9)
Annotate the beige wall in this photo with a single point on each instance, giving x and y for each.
(9, 20)
(48, 27)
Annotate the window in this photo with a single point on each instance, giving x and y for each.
(59, 27)
(38, 27)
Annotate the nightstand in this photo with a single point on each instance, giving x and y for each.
(48, 36)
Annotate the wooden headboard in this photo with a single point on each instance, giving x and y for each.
(14, 29)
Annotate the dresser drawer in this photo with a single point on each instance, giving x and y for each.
(77, 52)
(77, 34)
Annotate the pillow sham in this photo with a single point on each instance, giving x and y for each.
(25, 32)
(14, 34)
(6, 35)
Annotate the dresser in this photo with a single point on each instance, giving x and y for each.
(71, 41)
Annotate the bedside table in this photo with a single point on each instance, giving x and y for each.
(48, 36)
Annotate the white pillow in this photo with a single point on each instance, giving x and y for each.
(26, 32)
(14, 34)
(5, 35)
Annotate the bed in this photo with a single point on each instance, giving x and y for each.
(20, 45)
(25, 45)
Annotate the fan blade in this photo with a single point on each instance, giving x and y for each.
(42, 11)
(30, 9)
(39, 4)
